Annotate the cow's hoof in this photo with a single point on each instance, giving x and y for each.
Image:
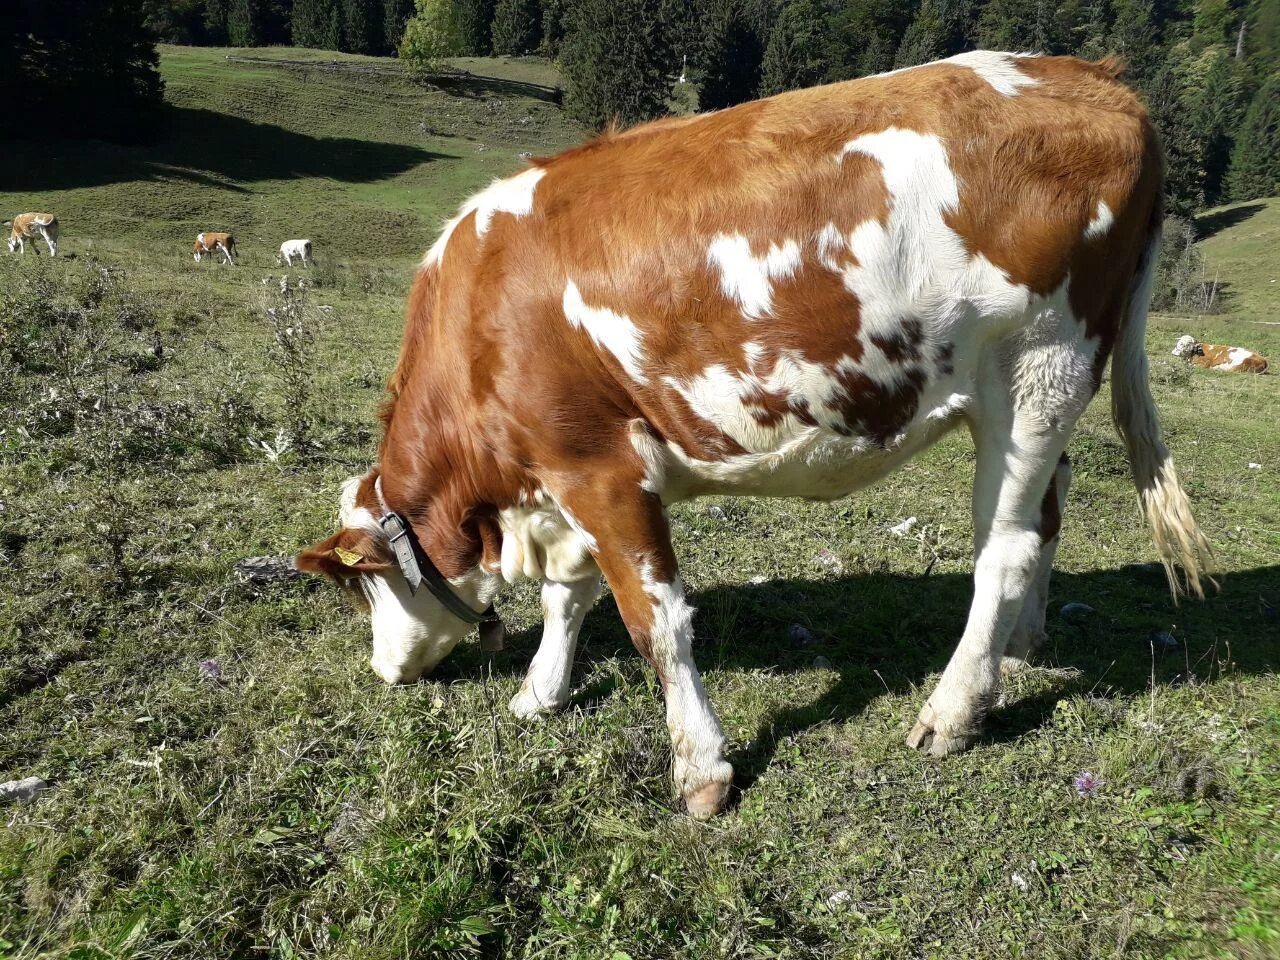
(526, 706)
(935, 738)
(1010, 666)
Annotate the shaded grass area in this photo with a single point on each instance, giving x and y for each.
(294, 807)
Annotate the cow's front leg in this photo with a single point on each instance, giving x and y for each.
(546, 685)
(632, 544)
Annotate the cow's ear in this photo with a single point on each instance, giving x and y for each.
(490, 543)
(348, 553)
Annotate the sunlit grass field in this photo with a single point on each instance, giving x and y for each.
(280, 802)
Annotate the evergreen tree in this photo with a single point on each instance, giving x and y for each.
(1184, 172)
(1092, 30)
(734, 33)
(865, 35)
(515, 28)
(616, 61)
(473, 18)
(394, 15)
(1023, 25)
(84, 68)
(554, 15)
(215, 21)
(244, 23)
(176, 21)
(1135, 36)
(361, 26)
(796, 55)
(1255, 161)
(1215, 113)
(317, 23)
(925, 39)
(1261, 41)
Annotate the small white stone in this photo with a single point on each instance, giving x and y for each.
(25, 789)
(839, 899)
(903, 528)
(1255, 466)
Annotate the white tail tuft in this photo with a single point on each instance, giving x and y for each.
(1164, 503)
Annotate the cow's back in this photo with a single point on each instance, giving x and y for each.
(828, 261)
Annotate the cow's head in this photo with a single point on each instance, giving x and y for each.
(1187, 346)
(412, 632)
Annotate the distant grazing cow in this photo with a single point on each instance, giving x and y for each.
(789, 298)
(28, 226)
(1212, 356)
(297, 248)
(208, 244)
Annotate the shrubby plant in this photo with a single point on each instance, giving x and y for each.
(293, 327)
(1182, 283)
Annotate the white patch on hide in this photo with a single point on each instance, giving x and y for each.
(1102, 221)
(748, 279)
(514, 195)
(615, 332)
(997, 68)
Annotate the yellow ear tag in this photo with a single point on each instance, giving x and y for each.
(349, 557)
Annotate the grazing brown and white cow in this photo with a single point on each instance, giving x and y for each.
(1213, 356)
(297, 248)
(791, 297)
(209, 244)
(28, 226)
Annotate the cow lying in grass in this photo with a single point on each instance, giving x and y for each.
(1213, 356)
(297, 248)
(790, 298)
(209, 244)
(28, 226)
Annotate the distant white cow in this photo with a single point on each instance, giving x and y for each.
(28, 226)
(297, 248)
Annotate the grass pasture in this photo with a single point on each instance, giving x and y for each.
(159, 425)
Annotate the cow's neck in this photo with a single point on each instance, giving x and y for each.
(447, 483)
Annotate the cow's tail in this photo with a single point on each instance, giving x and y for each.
(1164, 503)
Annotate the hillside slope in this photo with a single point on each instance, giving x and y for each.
(367, 165)
(228, 779)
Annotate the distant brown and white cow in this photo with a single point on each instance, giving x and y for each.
(297, 248)
(209, 244)
(1213, 356)
(789, 298)
(28, 226)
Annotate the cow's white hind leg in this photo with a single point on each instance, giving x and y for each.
(546, 685)
(1017, 454)
(1028, 633)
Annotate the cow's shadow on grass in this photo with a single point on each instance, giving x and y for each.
(889, 633)
(205, 148)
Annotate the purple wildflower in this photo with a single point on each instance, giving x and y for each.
(210, 669)
(1087, 784)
